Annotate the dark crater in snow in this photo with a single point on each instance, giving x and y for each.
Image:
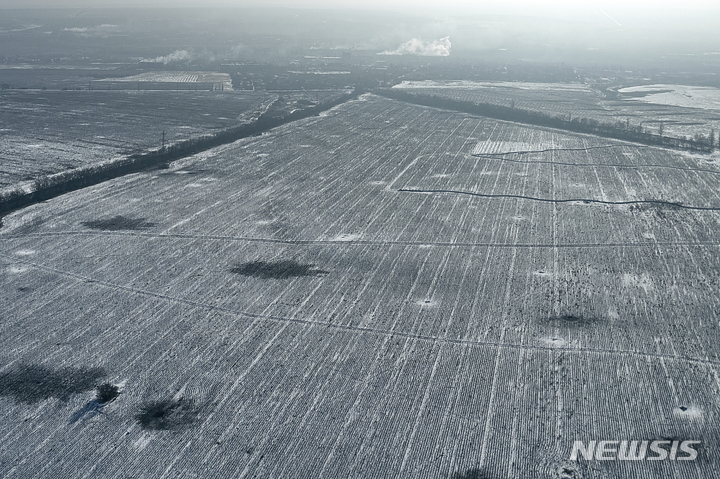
(276, 270)
(471, 474)
(104, 394)
(167, 415)
(118, 223)
(33, 383)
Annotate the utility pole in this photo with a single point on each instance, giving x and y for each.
(163, 141)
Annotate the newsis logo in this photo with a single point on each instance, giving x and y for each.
(635, 450)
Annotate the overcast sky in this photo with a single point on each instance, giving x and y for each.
(401, 5)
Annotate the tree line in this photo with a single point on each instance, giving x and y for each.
(47, 187)
(618, 130)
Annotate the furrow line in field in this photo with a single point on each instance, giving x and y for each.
(357, 403)
(555, 234)
(570, 200)
(447, 413)
(356, 166)
(283, 405)
(390, 332)
(600, 165)
(358, 242)
(423, 405)
(496, 370)
(360, 170)
(490, 414)
(527, 152)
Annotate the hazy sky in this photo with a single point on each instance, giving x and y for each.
(401, 5)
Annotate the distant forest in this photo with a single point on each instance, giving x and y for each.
(621, 130)
(47, 187)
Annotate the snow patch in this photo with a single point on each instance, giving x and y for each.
(489, 147)
(638, 281)
(426, 303)
(554, 342)
(472, 85)
(706, 98)
(347, 237)
(688, 412)
(25, 252)
(143, 441)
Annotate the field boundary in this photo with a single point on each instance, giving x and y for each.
(567, 200)
(50, 186)
(546, 120)
(360, 242)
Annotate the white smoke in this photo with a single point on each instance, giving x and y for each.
(99, 30)
(437, 48)
(176, 56)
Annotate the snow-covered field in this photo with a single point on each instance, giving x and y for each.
(47, 132)
(473, 85)
(384, 291)
(682, 111)
(707, 98)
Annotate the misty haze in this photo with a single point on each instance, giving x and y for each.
(378, 240)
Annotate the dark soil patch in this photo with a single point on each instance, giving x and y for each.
(572, 320)
(276, 270)
(118, 223)
(33, 383)
(167, 415)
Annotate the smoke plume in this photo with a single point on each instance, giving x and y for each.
(437, 48)
(176, 56)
